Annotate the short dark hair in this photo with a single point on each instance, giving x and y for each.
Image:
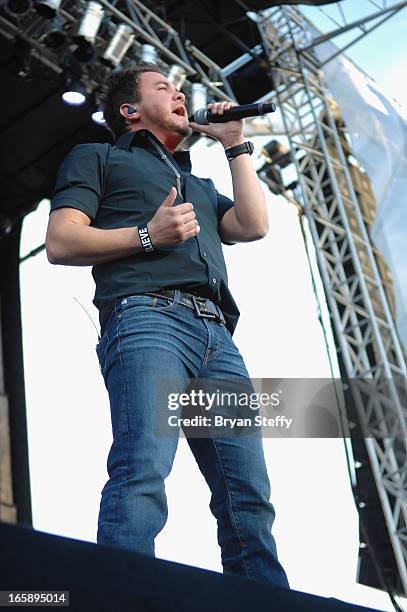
(123, 86)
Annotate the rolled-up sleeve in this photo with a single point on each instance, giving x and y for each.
(80, 179)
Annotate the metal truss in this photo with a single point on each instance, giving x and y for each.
(378, 12)
(368, 344)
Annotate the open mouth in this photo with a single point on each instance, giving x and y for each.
(179, 111)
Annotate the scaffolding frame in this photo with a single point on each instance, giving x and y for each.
(368, 342)
(382, 10)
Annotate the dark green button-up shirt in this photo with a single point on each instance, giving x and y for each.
(122, 186)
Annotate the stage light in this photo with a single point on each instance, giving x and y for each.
(17, 8)
(119, 45)
(47, 8)
(74, 94)
(276, 153)
(253, 68)
(56, 36)
(95, 105)
(87, 31)
(177, 76)
(97, 117)
(148, 54)
(271, 175)
(199, 97)
(90, 24)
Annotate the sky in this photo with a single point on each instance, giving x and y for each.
(279, 335)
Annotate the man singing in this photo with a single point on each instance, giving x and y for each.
(152, 232)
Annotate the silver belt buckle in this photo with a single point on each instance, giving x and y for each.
(205, 315)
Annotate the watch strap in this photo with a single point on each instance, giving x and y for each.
(246, 147)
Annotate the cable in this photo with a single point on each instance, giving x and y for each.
(83, 307)
(32, 253)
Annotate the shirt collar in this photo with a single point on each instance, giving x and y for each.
(140, 138)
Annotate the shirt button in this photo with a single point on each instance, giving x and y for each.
(214, 281)
(204, 253)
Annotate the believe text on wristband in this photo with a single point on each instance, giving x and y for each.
(145, 238)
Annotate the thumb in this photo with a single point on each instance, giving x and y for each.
(203, 129)
(197, 126)
(170, 199)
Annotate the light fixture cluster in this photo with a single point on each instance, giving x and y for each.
(86, 40)
(122, 37)
(120, 43)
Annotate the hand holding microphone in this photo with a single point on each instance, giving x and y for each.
(205, 116)
(212, 120)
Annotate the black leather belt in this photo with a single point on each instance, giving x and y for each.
(203, 307)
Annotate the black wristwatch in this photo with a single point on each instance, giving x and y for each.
(246, 147)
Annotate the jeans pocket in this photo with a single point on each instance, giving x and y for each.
(163, 303)
(145, 302)
(133, 301)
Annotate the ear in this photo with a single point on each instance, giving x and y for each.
(129, 112)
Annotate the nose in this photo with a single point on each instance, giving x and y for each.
(180, 96)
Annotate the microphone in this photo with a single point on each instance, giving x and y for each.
(205, 117)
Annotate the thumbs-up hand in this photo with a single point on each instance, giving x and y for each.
(171, 197)
(172, 225)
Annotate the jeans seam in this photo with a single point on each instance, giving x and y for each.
(120, 484)
(206, 355)
(218, 344)
(105, 352)
(235, 519)
(126, 403)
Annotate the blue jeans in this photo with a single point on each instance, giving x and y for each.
(147, 339)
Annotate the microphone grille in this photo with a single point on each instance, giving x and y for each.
(200, 117)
